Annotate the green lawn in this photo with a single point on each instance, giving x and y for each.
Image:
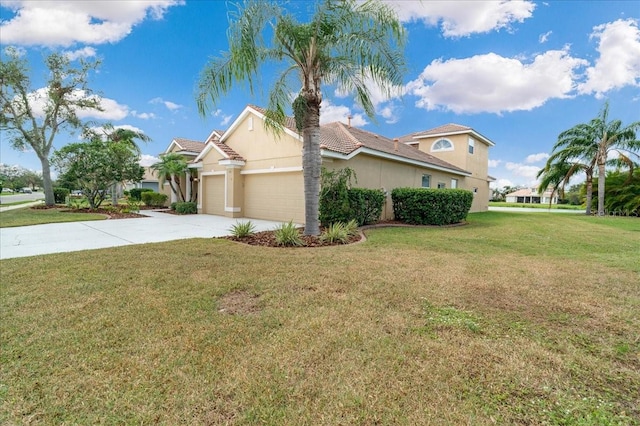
(29, 216)
(515, 318)
(535, 206)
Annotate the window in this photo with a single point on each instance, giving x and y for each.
(442, 145)
(454, 183)
(442, 185)
(472, 145)
(475, 190)
(426, 181)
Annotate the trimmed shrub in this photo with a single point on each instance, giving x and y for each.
(172, 206)
(334, 197)
(60, 195)
(424, 206)
(187, 207)
(341, 203)
(136, 193)
(154, 199)
(366, 205)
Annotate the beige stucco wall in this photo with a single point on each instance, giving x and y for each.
(261, 149)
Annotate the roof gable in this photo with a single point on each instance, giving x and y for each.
(339, 138)
(185, 146)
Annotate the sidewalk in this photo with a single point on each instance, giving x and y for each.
(75, 236)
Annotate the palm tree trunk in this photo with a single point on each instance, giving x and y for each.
(601, 182)
(589, 193)
(311, 165)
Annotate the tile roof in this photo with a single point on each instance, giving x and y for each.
(227, 150)
(340, 138)
(189, 145)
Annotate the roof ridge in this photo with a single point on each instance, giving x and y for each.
(344, 130)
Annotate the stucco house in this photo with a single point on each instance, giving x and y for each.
(531, 196)
(246, 171)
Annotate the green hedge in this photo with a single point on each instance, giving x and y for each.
(424, 206)
(60, 195)
(154, 199)
(186, 208)
(136, 193)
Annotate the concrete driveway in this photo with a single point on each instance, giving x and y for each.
(75, 236)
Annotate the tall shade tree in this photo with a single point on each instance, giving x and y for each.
(33, 118)
(351, 44)
(96, 165)
(169, 169)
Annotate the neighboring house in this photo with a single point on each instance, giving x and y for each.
(247, 171)
(149, 180)
(531, 196)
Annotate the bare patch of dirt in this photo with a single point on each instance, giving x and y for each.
(239, 302)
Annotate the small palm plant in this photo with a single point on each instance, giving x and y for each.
(288, 235)
(242, 229)
(335, 233)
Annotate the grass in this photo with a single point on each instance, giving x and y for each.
(17, 203)
(535, 206)
(28, 216)
(512, 319)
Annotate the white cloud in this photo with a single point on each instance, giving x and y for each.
(619, 62)
(501, 183)
(462, 18)
(85, 52)
(147, 160)
(544, 37)
(143, 115)
(171, 106)
(112, 110)
(494, 163)
(225, 119)
(492, 83)
(523, 170)
(64, 23)
(330, 113)
(534, 158)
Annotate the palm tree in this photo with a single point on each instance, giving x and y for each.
(613, 137)
(349, 43)
(169, 169)
(594, 142)
(559, 170)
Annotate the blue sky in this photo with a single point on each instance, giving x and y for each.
(517, 72)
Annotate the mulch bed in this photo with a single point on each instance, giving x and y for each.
(268, 239)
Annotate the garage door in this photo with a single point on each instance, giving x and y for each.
(274, 196)
(213, 195)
